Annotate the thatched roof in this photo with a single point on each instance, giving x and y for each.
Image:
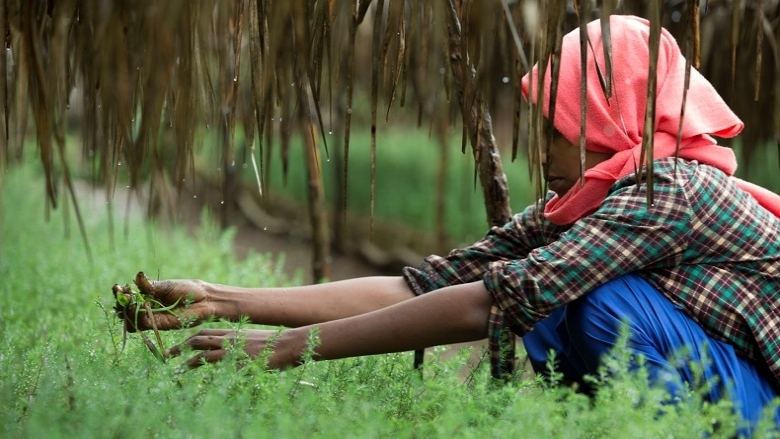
(151, 74)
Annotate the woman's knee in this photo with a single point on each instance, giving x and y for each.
(628, 299)
(593, 315)
(595, 321)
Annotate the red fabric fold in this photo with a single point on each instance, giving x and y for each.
(617, 126)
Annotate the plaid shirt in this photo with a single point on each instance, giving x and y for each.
(704, 244)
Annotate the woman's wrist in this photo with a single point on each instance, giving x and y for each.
(224, 302)
(288, 348)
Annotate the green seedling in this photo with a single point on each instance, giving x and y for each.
(130, 301)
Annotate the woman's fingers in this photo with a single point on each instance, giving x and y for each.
(205, 340)
(215, 344)
(216, 332)
(141, 321)
(144, 284)
(206, 357)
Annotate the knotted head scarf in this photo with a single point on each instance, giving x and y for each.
(617, 126)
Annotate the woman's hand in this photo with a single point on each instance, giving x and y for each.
(186, 302)
(215, 344)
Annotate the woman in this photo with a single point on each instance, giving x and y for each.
(697, 269)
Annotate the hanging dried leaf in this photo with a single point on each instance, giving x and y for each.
(759, 46)
(4, 135)
(552, 51)
(352, 17)
(583, 11)
(376, 61)
(691, 44)
(654, 12)
(518, 72)
(607, 9)
(395, 24)
(736, 19)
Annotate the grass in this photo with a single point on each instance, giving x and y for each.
(62, 374)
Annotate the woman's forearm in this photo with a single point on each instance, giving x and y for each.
(310, 304)
(449, 315)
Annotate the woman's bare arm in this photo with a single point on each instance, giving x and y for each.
(194, 301)
(449, 315)
(310, 304)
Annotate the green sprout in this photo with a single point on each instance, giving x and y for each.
(131, 300)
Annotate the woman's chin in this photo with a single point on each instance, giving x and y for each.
(559, 186)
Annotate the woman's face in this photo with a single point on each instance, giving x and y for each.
(561, 164)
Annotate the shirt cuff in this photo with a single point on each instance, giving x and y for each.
(422, 279)
(501, 345)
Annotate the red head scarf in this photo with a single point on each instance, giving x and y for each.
(616, 126)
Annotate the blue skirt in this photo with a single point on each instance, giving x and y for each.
(583, 331)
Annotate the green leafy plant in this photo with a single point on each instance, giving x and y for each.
(130, 302)
(60, 375)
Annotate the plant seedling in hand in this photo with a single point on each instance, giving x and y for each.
(130, 302)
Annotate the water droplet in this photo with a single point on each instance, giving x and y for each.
(292, 84)
(442, 71)
(505, 79)
(328, 158)
(222, 202)
(128, 186)
(330, 132)
(233, 163)
(265, 228)
(349, 111)
(676, 15)
(194, 196)
(119, 164)
(235, 79)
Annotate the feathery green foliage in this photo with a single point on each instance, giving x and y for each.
(62, 375)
